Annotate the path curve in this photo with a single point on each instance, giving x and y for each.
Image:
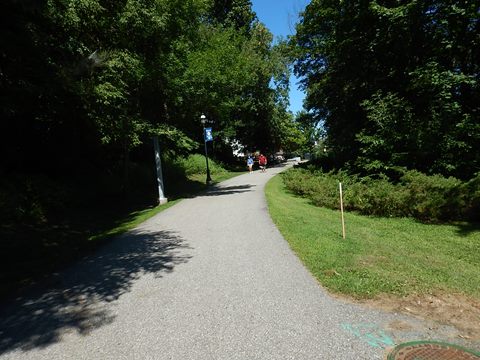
(209, 278)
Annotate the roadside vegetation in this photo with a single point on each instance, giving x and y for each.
(89, 83)
(393, 83)
(395, 256)
(406, 193)
(390, 89)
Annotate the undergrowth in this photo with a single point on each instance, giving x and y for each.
(427, 198)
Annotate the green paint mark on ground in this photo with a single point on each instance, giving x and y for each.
(371, 334)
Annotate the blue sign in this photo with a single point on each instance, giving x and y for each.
(207, 135)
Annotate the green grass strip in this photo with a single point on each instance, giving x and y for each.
(380, 255)
(131, 221)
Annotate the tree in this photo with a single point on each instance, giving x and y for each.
(394, 82)
(235, 13)
(88, 82)
(228, 78)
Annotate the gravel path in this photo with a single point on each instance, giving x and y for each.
(210, 278)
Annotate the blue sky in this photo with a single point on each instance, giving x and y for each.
(280, 17)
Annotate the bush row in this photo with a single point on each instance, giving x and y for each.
(427, 198)
(196, 164)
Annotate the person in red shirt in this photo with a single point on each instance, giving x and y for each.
(262, 162)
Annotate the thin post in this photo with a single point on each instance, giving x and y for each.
(341, 210)
(158, 163)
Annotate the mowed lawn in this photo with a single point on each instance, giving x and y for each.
(379, 255)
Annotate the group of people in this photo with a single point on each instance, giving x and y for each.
(262, 163)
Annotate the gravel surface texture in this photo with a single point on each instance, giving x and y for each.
(209, 278)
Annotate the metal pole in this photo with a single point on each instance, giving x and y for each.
(158, 162)
(209, 179)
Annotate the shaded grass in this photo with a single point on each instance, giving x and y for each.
(130, 221)
(380, 255)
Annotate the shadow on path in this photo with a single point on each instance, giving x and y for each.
(227, 190)
(76, 301)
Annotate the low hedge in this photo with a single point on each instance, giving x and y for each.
(196, 164)
(427, 198)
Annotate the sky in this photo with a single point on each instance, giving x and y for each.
(280, 17)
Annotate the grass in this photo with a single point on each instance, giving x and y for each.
(217, 177)
(380, 255)
(130, 221)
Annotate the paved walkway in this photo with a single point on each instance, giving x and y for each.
(210, 278)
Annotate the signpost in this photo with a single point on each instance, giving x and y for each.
(158, 163)
(207, 136)
(341, 209)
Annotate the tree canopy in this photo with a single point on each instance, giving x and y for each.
(396, 83)
(91, 80)
(86, 84)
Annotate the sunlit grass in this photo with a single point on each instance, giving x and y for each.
(380, 255)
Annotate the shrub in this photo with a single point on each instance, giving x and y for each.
(195, 164)
(471, 195)
(298, 181)
(324, 191)
(376, 197)
(31, 199)
(427, 198)
(433, 198)
(321, 188)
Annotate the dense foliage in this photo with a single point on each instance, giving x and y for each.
(394, 83)
(86, 84)
(427, 198)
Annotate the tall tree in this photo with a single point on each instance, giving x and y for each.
(86, 82)
(236, 13)
(394, 82)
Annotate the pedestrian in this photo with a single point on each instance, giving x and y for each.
(262, 162)
(250, 163)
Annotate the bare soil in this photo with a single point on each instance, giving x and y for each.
(456, 310)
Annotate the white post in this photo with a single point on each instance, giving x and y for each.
(158, 162)
(341, 210)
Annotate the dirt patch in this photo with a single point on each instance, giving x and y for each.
(457, 310)
(400, 325)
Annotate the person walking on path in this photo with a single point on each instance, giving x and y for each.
(250, 164)
(262, 162)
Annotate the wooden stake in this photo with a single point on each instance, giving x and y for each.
(341, 210)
